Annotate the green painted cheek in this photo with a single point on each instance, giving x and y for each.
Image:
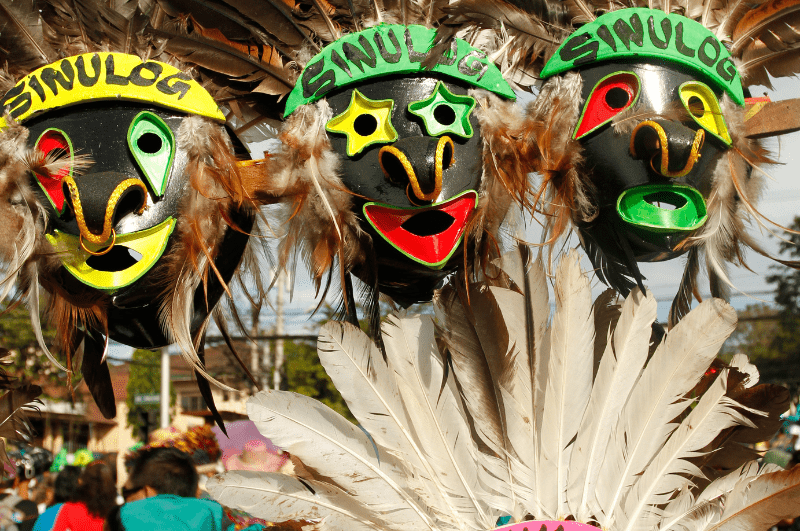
(153, 146)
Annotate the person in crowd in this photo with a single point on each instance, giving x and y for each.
(160, 494)
(95, 497)
(66, 483)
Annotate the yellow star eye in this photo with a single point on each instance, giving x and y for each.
(365, 122)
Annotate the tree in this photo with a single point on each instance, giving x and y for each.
(29, 362)
(144, 379)
(783, 365)
(306, 376)
(758, 325)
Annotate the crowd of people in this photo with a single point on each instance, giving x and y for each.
(161, 493)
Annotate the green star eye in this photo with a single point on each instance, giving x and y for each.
(444, 112)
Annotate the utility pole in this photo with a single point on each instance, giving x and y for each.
(276, 374)
(255, 370)
(165, 387)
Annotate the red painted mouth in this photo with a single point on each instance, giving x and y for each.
(428, 235)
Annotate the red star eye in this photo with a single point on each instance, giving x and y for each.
(612, 95)
(56, 156)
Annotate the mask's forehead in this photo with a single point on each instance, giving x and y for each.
(659, 81)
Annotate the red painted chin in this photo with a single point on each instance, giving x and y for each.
(428, 235)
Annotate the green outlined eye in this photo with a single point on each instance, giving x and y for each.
(444, 112)
(153, 146)
(364, 122)
(609, 97)
(703, 106)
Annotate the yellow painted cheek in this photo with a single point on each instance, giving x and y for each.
(711, 119)
(150, 243)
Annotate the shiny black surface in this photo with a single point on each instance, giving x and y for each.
(613, 168)
(100, 130)
(400, 277)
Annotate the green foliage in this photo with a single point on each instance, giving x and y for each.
(30, 364)
(758, 325)
(144, 378)
(781, 360)
(305, 375)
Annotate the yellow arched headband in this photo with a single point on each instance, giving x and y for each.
(107, 76)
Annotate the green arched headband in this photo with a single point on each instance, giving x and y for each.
(388, 49)
(643, 32)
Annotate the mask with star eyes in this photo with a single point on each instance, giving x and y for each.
(131, 190)
(656, 93)
(410, 148)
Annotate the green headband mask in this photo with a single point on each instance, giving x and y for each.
(653, 180)
(409, 144)
(388, 49)
(649, 33)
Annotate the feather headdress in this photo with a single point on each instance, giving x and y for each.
(571, 131)
(495, 409)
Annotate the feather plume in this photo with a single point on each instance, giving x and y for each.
(657, 399)
(620, 366)
(343, 452)
(292, 499)
(759, 502)
(666, 473)
(568, 381)
(21, 43)
(462, 467)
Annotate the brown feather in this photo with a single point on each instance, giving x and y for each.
(21, 43)
(607, 310)
(218, 57)
(95, 372)
(761, 502)
(275, 17)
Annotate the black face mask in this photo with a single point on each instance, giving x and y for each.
(129, 200)
(653, 180)
(417, 184)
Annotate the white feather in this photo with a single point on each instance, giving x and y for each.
(569, 382)
(658, 397)
(367, 384)
(440, 426)
(620, 367)
(328, 441)
(761, 502)
(670, 471)
(278, 498)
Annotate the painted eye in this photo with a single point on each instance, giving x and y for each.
(364, 122)
(703, 106)
(612, 95)
(153, 146)
(56, 151)
(444, 112)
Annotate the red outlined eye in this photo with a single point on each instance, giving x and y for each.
(612, 95)
(55, 163)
